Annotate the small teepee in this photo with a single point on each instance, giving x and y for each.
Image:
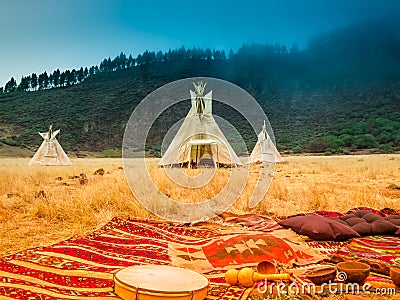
(265, 150)
(199, 141)
(50, 152)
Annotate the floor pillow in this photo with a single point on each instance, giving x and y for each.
(366, 222)
(319, 228)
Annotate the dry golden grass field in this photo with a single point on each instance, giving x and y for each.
(42, 205)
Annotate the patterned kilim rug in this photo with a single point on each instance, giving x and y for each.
(328, 248)
(83, 268)
(380, 252)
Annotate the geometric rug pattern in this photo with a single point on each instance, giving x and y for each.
(83, 268)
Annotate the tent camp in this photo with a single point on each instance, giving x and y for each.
(50, 152)
(264, 150)
(199, 141)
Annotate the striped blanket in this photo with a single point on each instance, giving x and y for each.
(380, 252)
(83, 268)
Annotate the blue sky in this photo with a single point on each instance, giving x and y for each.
(44, 35)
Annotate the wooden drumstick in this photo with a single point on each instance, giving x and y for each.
(246, 277)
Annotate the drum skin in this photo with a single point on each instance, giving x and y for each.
(154, 282)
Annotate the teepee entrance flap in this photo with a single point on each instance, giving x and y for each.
(199, 135)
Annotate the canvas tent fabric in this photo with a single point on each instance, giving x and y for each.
(264, 150)
(50, 152)
(199, 136)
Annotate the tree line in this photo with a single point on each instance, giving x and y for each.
(44, 81)
(68, 78)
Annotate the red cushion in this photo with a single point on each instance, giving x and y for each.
(363, 228)
(319, 228)
(371, 217)
(382, 227)
(355, 220)
(395, 219)
(366, 222)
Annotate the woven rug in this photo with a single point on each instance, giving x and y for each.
(328, 248)
(83, 268)
(380, 252)
(250, 222)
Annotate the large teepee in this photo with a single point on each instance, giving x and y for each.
(50, 152)
(265, 150)
(199, 141)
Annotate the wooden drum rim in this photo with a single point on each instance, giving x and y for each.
(157, 292)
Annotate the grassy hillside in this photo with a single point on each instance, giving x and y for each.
(341, 94)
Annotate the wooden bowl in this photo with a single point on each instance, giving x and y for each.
(395, 275)
(321, 276)
(356, 272)
(266, 267)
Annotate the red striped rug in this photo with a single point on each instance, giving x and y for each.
(380, 252)
(83, 268)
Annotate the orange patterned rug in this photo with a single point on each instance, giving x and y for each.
(83, 268)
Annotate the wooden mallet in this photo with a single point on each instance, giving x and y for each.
(247, 277)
